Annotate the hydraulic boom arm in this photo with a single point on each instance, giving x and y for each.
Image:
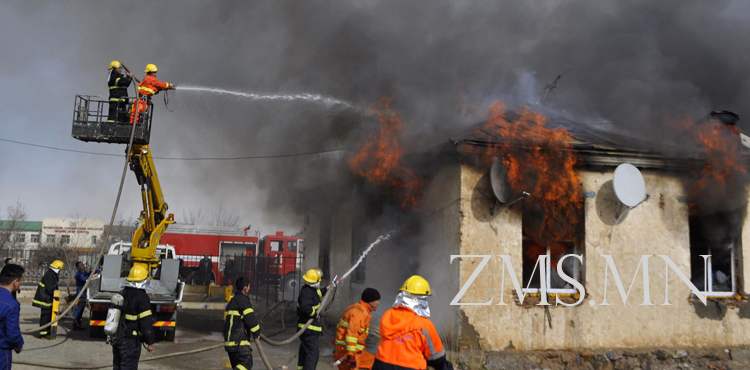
(154, 219)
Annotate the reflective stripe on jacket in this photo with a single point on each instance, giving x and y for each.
(353, 328)
(118, 85)
(137, 318)
(308, 305)
(45, 290)
(240, 322)
(407, 339)
(151, 85)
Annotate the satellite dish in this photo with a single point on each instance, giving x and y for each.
(501, 187)
(629, 186)
(499, 181)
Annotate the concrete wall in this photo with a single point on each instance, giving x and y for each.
(657, 226)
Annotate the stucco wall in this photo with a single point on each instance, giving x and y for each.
(657, 226)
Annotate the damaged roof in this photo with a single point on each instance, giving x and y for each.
(602, 144)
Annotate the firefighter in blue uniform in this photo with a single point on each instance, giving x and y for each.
(44, 295)
(135, 323)
(308, 307)
(241, 326)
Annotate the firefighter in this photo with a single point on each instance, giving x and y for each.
(150, 86)
(44, 295)
(308, 306)
(136, 321)
(118, 83)
(241, 326)
(352, 331)
(408, 339)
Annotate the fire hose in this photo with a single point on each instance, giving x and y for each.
(327, 298)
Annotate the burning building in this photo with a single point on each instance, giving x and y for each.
(533, 240)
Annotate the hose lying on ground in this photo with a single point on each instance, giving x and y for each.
(327, 298)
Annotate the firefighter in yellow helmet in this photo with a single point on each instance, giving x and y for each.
(44, 294)
(150, 86)
(308, 306)
(137, 322)
(408, 339)
(118, 82)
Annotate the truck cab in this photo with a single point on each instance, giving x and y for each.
(123, 248)
(283, 256)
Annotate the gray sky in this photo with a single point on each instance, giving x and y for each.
(632, 63)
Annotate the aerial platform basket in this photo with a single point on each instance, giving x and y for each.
(91, 121)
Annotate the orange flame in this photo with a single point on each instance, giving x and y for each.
(722, 171)
(379, 159)
(538, 160)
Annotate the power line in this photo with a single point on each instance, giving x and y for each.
(166, 158)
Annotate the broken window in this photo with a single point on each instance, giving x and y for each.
(554, 246)
(714, 252)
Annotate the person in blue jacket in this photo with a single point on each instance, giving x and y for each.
(10, 310)
(82, 274)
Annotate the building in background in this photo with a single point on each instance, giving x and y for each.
(72, 232)
(20, 234)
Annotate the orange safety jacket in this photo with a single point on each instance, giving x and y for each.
(146, 89)
(408, 340)
(351, 335)
(151, 85)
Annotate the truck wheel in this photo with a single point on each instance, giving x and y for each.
(290, 287)
(168, 335)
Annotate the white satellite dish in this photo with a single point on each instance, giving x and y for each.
(499, 181)
(629, 185)
(501, 187)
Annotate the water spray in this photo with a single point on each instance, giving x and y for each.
(305, 97)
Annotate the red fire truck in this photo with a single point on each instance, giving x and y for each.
(222, 244)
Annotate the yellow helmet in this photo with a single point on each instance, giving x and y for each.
(114, 64)
(151, 68)
(138, 273)
(57, 264)
(312, 276)
(416, 285)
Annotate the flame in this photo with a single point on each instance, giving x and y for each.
(540, 161)
(379, 159)
(722, 172)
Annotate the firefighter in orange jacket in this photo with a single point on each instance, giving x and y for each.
(150, 86)
(352, 331)
(408, 339)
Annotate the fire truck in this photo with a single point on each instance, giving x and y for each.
(231, 252)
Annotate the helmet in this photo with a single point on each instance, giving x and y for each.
(138, 272)
(416, 285)
(312, 276)
(151, 68)
(57, 264)
(114, 64)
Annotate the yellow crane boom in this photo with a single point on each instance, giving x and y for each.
(154, 219)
